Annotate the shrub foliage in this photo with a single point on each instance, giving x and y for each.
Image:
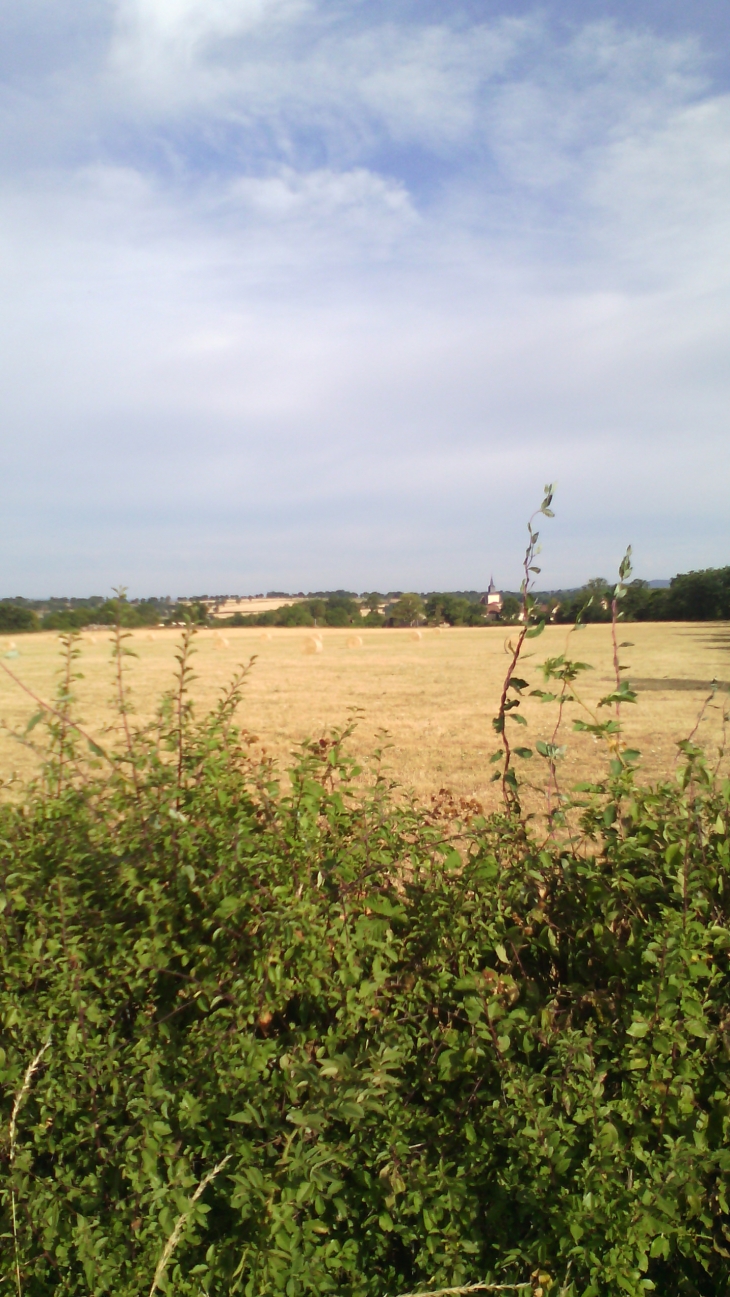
(16, 618)
(433, 1053)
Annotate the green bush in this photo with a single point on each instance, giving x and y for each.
(454, 610)
(295, 614)
(145, 612)
(433, 1054)
(15, 618)
(699, 596)
(408, 610)
(336, 610)
(691, 596)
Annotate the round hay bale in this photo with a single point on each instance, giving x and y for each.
(312, 644)
(416, 634)
(151, 638)
(266, 636)
(354, 641)
(219, 641)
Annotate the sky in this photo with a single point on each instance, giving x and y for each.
(305, 294)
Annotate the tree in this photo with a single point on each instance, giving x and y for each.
(510, 607)
(700, 596)
(453, 609)
(317, 608)
(408, 610)
(294, 614)
(341, 611)
(15, 618)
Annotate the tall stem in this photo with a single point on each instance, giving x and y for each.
(20, 1098)
(509, 793)
(65, 708)
(119, 651)
(624, 572)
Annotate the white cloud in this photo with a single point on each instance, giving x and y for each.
(368, 204)
(175, 35)
(413, 82)
(664, 194)
(426, 85)
(361, 290)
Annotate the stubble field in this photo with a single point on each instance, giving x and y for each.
(435, 696)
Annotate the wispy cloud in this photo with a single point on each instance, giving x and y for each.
(282, 270)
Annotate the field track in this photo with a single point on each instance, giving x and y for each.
(435, 696)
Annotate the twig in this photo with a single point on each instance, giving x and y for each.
(180, 1223)
(502, 713)
(701, 714)
(509, 787)
(474, 1287)
(20, 1098)
(119, 652)
(68, 644)
(723, 740)
(46, 707)
(624, 572)
(184, 675)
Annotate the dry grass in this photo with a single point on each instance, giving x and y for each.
(435, 696)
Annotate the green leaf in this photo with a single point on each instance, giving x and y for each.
(637, 1029)
(535, 631)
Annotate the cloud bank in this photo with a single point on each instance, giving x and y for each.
(300, 295)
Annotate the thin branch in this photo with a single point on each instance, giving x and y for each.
(502, 713)
(624, 572)
(46, 707)
(474, 1287)
(180, 1223)
(509, 788)
(118, 652)
(700, 716)
(20, 1098)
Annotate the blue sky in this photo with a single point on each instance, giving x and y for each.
(299, 294)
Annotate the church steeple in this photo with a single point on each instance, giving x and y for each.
(492, 600)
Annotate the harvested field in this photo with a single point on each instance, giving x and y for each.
(435, 695)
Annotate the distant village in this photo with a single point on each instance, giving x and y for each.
(690, 596)
(490, 602)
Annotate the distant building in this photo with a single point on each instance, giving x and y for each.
(492, 600)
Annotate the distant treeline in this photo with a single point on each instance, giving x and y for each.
(375, 610)
(18, 615)
(335, 610)
(690, 596)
